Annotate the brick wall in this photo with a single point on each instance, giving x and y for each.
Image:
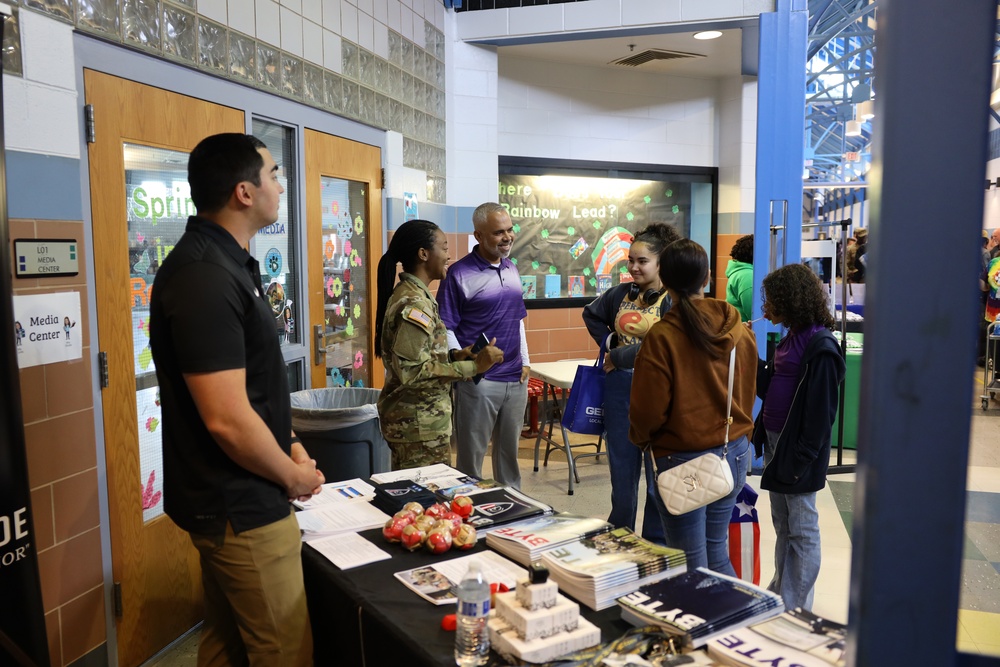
(58, 409)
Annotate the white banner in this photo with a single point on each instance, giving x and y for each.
(47, 329)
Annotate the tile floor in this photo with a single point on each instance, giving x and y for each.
(979, 613)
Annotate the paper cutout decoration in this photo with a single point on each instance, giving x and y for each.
(578, 248)
(553, 286)
(528, 287)
(611, 249)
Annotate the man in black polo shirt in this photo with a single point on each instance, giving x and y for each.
(230, 459)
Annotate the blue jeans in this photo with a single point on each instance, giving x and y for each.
(797, 551)
(703, 533)
(625, 461)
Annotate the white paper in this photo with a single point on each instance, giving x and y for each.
(348, 550)
(418, 475)
(335, 493)
(434, 582)
(341, 518)
(46, 328)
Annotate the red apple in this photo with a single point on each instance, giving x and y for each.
(465, 538)
(406, 516)
(462, 506)
(436, 510)
(412, 537)
(425, 523)
(393, 529)
(414, 507)
(438, 540)
(453, 520)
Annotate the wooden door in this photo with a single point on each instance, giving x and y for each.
(139, 205)
(344, 232)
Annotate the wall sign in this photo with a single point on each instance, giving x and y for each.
(44, 258)
(46, 328)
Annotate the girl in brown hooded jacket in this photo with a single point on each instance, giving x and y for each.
(679, 395)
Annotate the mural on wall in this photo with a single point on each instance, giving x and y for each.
(573, 232)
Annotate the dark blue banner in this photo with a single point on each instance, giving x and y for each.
(22, 620)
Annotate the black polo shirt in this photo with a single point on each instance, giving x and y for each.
(208, 313)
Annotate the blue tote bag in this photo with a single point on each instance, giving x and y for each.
(585, 406)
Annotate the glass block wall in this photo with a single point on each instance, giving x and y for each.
(473, 5)
(11, 45)
(404, 93)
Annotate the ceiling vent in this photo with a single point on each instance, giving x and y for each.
(651, 55)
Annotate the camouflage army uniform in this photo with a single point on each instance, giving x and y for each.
(415, 405)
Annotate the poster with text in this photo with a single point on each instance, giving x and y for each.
(47, 328)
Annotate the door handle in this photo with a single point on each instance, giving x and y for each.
(319, 341)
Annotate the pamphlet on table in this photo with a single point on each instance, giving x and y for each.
(347, 550)
(797, 637)
(700, 605)
(596, 570)
(347, 517)
(434, 582)
(524, 542)
(338, 492)
(506, 505)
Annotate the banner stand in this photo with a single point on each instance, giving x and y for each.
(22, 617)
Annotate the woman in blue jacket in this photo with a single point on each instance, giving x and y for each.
(799, 388)
(618, 320)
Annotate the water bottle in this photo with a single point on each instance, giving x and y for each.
(472, 639)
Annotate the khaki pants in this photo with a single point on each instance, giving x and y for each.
(255, 602)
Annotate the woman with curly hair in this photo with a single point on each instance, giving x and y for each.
(739, 277)
(799, 390)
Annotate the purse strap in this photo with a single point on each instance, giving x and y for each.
(729, 399)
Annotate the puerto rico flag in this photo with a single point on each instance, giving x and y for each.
(744, 536)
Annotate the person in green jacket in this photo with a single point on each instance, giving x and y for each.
(739, 274)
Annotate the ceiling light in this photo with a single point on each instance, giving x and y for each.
(708, 34)
(852, 128)
(865, 110)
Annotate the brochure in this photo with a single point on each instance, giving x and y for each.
(434, 583)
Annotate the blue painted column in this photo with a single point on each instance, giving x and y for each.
(933, 76)
(781, 89)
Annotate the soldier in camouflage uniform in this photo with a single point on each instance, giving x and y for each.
(415, 404)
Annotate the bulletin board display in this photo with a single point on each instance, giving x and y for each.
(574, 225)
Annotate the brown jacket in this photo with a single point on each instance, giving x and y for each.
(679, 391)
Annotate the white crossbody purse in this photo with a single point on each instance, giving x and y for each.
(705, 479)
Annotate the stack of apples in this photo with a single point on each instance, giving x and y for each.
(438, 528)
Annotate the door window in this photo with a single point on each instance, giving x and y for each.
(158, 203)
(345, 282)
(275, 245)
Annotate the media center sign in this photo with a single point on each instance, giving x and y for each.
(45, 258)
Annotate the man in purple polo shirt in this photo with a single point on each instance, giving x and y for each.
(482, 294)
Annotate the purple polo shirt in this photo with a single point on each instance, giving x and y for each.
(476, 297)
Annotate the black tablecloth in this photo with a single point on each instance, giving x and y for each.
(365, 616)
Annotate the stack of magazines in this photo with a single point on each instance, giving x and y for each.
(524, 542)
(499, 507)
(700, 605)
(797, 637)
(597, 570)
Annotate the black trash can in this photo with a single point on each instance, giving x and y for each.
(339, 428)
